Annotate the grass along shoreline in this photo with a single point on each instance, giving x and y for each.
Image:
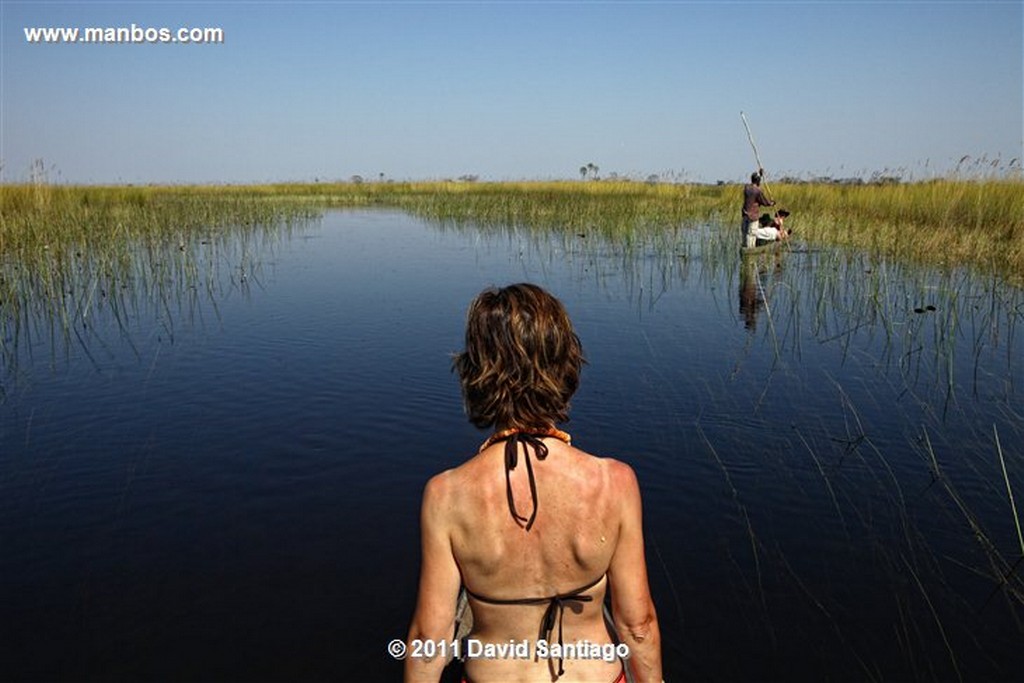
(978, 223)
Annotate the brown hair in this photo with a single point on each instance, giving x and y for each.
(522, 359)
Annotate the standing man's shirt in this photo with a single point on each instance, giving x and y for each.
(753, 200)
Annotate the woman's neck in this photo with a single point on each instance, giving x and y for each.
(504, 433)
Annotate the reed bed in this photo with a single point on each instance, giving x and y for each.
(949, 222)
(41, 216)
(69, 253)
(941, 222)
(613, 209)
(976, 222)
(48, 232)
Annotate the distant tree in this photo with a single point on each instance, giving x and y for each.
(652, 179)
(356, 180)
(583, 172)
(592, 167)
(469, 178)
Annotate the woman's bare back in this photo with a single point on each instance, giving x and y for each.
(569, 546)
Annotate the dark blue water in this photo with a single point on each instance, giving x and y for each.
(222, 481)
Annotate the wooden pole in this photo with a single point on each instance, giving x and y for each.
(757, 157)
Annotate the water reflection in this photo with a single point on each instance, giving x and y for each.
(644, 263)
(753, 272)
(198, 437)
(69, 303)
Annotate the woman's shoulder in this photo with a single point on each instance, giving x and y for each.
(618, 476)
(457, 479)
(443, 482)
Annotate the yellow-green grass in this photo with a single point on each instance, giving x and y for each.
(978, 222)
(943, 222)
(38, 216)
(953, 222)
(65, 249)
(612, 208)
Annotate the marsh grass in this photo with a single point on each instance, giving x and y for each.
(973, 221)
(70, 254)
(949, 223)
(67, 247)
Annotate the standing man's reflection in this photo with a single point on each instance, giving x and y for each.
(752, 291)
(751, 300)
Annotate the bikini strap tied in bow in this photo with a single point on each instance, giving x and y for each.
(556, 609)
(554, 612)
(511, 460)
(531, 439)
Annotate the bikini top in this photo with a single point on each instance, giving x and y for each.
(556, 603)
(556, 610)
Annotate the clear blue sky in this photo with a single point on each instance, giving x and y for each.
(512, 90)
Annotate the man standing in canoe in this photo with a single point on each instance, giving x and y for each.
(753, 199)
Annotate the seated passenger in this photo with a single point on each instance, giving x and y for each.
(770, 228)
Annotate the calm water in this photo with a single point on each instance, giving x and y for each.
(221, 482)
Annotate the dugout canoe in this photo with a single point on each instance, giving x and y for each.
(768, 248)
